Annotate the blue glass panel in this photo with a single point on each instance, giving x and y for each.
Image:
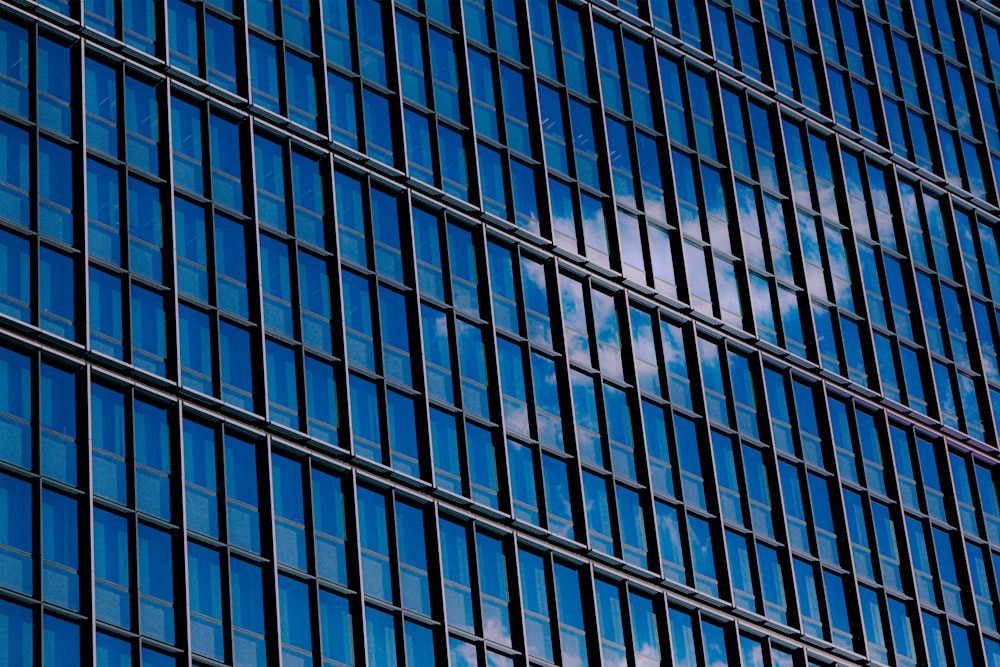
(16, 534)
(15, 173)
(282, 384)
(231, 265)
(196, 349)
(102, 105)
(60, 550)
(241, 489)
(57, 388)
(534, 591)
(264, 73)
(15, 281)
(419, 640)
(60, 642)
(247, 596)
(444, 440)
(145, 226)
(378, 127)
(376, 568)
(386, 227)
(149, 336)
(301, 81)
(192, 249)
(182, 21)
(200, 476)
(402, 433)
(365, 418)
(455, 559)
(314, 299)
(321, 400)
(237, 374)
(103, 211)
(220, 52)
(296, 617)
(413, 576)
(336, 629)
(112, 601)
(381, 634)
(344, 114)
(17, 628)
(482, 464)
(205, 601)
(112, 651)
(396, 362)
(227, 162)
(14, 68)
(522, 481)
(142, 120)
(15, 408)
(55, 192)
(54, 85)
(329, 526)
(289, 511)
(494, 591)
(107, 429)
(308, 194)
(557, 496)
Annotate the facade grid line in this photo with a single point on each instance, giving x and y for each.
(391, 333)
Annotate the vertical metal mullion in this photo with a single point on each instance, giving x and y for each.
(295, 296)
(909, 270)
(975, 364)
(400, 157)
(740, 266)
(224, 550)
(903, 545)
(839, 509)
(309, 533)
(671, 207)
(170, 237)
(519, 639)
(492, 359)
(654, 556)
(920, 71)
(475, 578)
(436, 576)
(864, 321)
(242, 28)
(178, 505)
(713, 505)
(778, 514)
(961, 559)
(322, 88)
(783, 167)
(588, 598)
(339, 334)
(254, 273)
(408, 253)
(465, 78)
(353, 532)
(600, 138)
(85, 527)
(269, 546)
(818, 57)
(534, 116)
(575, 474)
(417, 346)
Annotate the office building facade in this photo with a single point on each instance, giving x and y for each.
(370, 333)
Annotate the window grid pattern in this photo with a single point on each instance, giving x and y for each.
(312, 276)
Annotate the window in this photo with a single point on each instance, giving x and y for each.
(223, 509)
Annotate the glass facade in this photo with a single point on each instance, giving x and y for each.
(372, 333)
